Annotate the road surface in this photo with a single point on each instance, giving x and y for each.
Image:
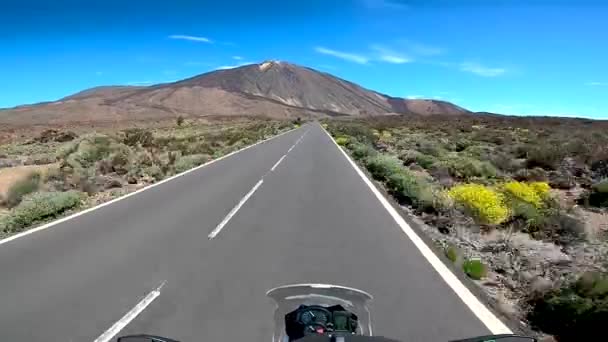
(306, 218)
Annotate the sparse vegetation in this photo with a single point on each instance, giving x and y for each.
(451, 252)
(503, 190)
(187, 162)
(22, 187)
(574, 312)
(96, 165)
(475, 269)
(39, 207)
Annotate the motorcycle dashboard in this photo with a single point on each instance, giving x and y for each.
(314, 315)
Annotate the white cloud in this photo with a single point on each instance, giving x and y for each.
(414, 97)
(596, 84)
(238, 58)
(482, 70)
(390, 56)
(351, 57)
(437, 97)
(226, 67)
(190, 38)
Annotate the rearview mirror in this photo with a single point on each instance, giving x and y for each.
(499, 338)
(144, 338)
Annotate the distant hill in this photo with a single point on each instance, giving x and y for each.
(273, 89)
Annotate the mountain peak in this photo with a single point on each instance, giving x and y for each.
(269, 64)
(271, 88)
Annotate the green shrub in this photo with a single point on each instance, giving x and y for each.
(547, 157)
(461, 144)
(412, 156)
(468, 168)
(575, 312)
(381, 166)
(597, 196)
(601, 186)
(484, 204)
(358, 131)
(342, 140)
(85, 152)
(185, 163)
(409, 156)
(21, 188)
(425, 161)
(475, 269)
(408, 188)
(120, 159)
(451, 252)
(479, 151)
(430, 148)
(38, 207)
(361, 151)
(135, 136)
(155, 172)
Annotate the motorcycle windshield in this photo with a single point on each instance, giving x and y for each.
(289, 297)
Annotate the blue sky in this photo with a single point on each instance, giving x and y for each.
(529, 57)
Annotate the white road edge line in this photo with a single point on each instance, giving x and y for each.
(495, 325)
(278, 162)
(67, 218)
(129, 316)
(234, 210)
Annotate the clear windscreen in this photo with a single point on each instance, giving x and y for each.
(290, 297)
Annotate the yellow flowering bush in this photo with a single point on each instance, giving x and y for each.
(485, 204)
(532, 193)
(542, 188)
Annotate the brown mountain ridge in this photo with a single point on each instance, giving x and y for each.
(272, 89)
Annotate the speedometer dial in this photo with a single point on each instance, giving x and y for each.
(314, 317)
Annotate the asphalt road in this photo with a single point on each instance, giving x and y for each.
(312, 219)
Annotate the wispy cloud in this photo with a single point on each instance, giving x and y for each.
(414, 97)
(351, 57)
(482, 70)
(387, 55)
(226, 67)
(384, 4)
(98, 73)
(237, 58)
(191, 38)
(596, 84)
